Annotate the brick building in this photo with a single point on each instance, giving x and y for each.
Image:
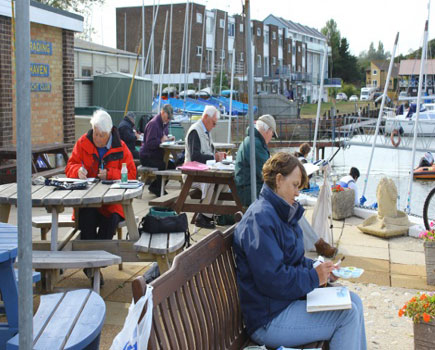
(287, 55)
(52, 74)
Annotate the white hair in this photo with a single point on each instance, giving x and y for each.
(261, 126)
(102, 120)
(211, 111)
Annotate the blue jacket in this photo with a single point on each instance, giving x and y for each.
(271, 268)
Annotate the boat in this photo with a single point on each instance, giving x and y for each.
(405, 122)
(425, 172)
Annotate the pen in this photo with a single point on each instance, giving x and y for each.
(339, 261)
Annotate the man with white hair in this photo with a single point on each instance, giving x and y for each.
(199, 147)
(100, 153)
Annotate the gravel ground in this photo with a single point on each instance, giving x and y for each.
(384, 328)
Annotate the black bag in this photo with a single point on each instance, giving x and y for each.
(61, 185)
(168, 224)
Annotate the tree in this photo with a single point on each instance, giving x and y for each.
(333, 36)
(82, 7)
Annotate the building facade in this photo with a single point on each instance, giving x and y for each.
(376, 75)
(409, 72)
(286, 55)
(52, 74)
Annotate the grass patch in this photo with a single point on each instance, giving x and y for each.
(310, 110)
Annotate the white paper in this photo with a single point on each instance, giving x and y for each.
(328, 298)
(310, 168)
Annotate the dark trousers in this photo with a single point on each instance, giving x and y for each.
(159, 164)
(90, 219)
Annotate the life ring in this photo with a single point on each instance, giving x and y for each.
(395, 143)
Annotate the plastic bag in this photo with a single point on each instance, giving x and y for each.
(133, 335)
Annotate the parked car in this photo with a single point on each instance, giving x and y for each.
(341, 96)
(353, 98)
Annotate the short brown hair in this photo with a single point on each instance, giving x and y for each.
(282, 163)
(305, 148)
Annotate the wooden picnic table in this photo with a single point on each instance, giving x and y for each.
(96, 195)
(8, 283)
(39, 151)
(231, 204)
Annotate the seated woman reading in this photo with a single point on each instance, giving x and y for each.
(273, 275)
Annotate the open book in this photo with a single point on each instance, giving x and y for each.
(329, 298)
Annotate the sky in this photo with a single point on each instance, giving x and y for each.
(360, 21)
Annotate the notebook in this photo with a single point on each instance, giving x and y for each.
(329, 298)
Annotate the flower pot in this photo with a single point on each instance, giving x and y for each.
(429, 255)
(424, 336)
(343, 203)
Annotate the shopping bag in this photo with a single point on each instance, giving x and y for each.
(134, 336)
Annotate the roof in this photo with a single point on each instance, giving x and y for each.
(383, 65)
(90, 46)
(299, 28)
(121, 75)
(412, 67)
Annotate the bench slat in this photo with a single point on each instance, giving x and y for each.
(73, 259)
(160, 243)
(89, 324)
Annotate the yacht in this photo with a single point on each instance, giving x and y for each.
(404, 123)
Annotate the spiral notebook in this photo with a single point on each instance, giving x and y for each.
(329, 298)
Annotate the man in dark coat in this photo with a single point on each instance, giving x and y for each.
(128, 133)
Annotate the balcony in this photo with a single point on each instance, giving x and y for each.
(332, 82)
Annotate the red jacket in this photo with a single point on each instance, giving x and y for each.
(85, 154)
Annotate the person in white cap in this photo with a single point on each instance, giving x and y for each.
(426, 160)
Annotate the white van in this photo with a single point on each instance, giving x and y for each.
(367, 93)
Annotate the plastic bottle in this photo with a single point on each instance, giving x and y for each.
(124, 173)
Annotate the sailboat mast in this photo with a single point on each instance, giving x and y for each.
(319, 102)
(143, 37)
(233, 63)
(162, 61)
(182, 48)
(378, 122)
(170, 47)
(417, 115)
(212, 53)
(222, 54)
(186, 54)
(204, 19)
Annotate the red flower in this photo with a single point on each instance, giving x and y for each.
(426, 317)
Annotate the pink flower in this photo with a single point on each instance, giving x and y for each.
(430, 237)
(431, 224)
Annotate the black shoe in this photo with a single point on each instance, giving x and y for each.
(204, 222)
(154, 191)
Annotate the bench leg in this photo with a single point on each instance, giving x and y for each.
(119, 232)
(44, 232)
(97, 276)
(48, 279)
(163, 262)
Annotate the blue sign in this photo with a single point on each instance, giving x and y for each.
(39, 70)
(42, 87)
(39, 47)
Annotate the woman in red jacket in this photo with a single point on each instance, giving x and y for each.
(100, 153)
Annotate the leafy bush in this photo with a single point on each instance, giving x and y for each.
(349, 89)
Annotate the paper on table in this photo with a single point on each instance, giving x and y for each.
(328, 298)
(193, 166)
(310, 168)
(222, 166)
(70, 179)
(130, 184)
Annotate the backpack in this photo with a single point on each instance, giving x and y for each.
(168, 224)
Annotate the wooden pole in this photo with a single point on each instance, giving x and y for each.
(132, 78)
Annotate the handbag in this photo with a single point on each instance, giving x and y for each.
(61, 185)
(169, 224)
(134, 336)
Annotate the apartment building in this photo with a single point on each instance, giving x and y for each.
(286, 55)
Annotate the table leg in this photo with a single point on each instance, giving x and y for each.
(97, 277)
(5, 209)
(183, 194)
(54, 229)
(130, 221)
(163, 262)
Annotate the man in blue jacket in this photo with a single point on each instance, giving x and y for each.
(151, 155)
(128, 134)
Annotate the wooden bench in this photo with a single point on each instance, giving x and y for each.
(71, 320)
(169, 200)
(51, 261)
(168, 175)
(50, 172)
(160, 247)
(144, 173)
(196, 303)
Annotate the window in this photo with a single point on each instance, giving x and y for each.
(299, 49)
(258, 61)
(273, 35)
(231, 29)
(258, 31)
(241, 56)
(223, 53)
(375, 72)
(273, 60)
(241, 28)
(199, 51)
(221, 23)
(198, 17)
(209, 25)
(209, 59)
(280, 43)
(266, 66)
(289, 48)
(375, 83)
(86, 71)
(266, 37)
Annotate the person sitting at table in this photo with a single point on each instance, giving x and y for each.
(265, 129)
(100, 153)
(151, 154)
(128, 133)
(304, 151)
(274, 277)
(199, 147)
